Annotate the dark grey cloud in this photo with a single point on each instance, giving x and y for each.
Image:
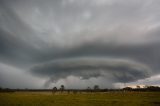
(118, 70)
(147, 54)
(56, 39)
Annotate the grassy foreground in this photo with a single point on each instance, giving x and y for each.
(80, 99)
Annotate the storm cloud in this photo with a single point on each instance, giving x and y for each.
(53, 40)
(116, 70)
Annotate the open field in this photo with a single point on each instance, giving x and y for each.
(80, 99)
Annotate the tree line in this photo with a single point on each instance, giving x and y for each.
(95, 88)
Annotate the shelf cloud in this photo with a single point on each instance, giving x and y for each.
(116, 70)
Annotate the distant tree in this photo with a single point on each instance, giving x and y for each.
(62, 88)
(127, 89)
(153, 88)
(96, 88)
(146, 86)
(89, 89)
(138, 87)
(54, 89)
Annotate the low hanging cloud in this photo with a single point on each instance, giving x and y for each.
(115, 70)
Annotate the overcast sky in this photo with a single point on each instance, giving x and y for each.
(79, 43)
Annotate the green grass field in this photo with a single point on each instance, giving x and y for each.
(80, 99)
